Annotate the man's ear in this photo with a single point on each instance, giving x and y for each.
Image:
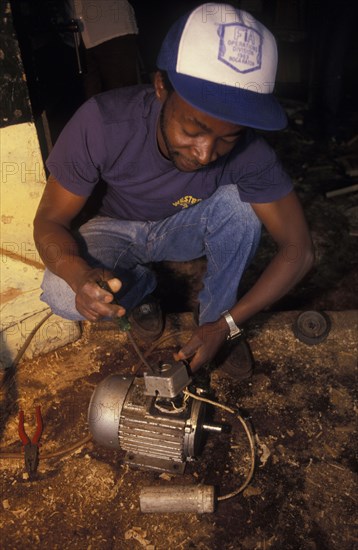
(159, 86)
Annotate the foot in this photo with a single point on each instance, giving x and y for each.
(236, 360)
(146, 319)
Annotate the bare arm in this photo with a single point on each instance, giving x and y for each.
(285, 221)
(59, 252)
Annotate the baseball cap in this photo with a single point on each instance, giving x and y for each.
(223, 61)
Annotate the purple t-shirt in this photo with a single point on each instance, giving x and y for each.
(112, 139)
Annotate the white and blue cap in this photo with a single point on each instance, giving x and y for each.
(223, 61)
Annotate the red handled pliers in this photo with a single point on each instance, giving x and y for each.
(31, 447)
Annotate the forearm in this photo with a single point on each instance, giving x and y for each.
(286, 224)
(280, 276)
(61, 254)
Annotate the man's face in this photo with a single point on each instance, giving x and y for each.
(190, 138)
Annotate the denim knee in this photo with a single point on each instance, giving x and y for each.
(59, 296)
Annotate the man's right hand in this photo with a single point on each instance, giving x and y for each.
(92, 301)
(52, 230)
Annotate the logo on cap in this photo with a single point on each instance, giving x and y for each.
(240, 47)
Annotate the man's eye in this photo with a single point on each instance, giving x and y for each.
(190, 134)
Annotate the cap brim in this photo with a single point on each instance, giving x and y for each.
(243, 107)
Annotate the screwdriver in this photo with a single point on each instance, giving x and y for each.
(123, 322)
(125, 326)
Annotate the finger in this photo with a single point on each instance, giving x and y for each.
(114, 284)
(95, 310)
(100, 294)
(87, 313)
(179, 356)
(193, 365)
(94, 292)
(121, 311)
(95, 315)
(89, 316)
(196, 363)
(190, 348)
(110, 310)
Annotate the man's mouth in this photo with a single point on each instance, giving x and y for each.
(187, 163)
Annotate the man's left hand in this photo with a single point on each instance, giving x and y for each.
(204, 344)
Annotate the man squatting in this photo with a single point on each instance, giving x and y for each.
(185, 176)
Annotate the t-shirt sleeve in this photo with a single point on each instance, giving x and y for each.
(259, 174)
(76, 160)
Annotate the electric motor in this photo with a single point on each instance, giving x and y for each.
(150, 418)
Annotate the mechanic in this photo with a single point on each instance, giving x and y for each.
(183, 175)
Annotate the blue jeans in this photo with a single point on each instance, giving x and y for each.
(222, 228)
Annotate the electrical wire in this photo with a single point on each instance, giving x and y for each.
(76, 445)
(187, 394)
(59, 452)
(138, 351)
(24, 347)
(249, 437)
(54, 454)
(143, 359)
(156, 345)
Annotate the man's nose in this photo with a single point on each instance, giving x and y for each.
(204, 151)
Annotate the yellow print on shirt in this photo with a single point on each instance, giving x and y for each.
(186, 201)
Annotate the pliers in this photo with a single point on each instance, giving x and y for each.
(31, 447)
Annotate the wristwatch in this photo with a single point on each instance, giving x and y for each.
(235, 331)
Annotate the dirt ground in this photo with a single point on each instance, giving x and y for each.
(300, 402)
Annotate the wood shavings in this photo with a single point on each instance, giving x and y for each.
(166, 476)
(265, 452)
(139, 535)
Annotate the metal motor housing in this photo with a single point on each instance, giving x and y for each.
(122, 415)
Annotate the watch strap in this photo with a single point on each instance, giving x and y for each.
(235, 331)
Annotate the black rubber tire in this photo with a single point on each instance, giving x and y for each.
(312, 327)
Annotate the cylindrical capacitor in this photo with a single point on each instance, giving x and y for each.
(199, 499)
